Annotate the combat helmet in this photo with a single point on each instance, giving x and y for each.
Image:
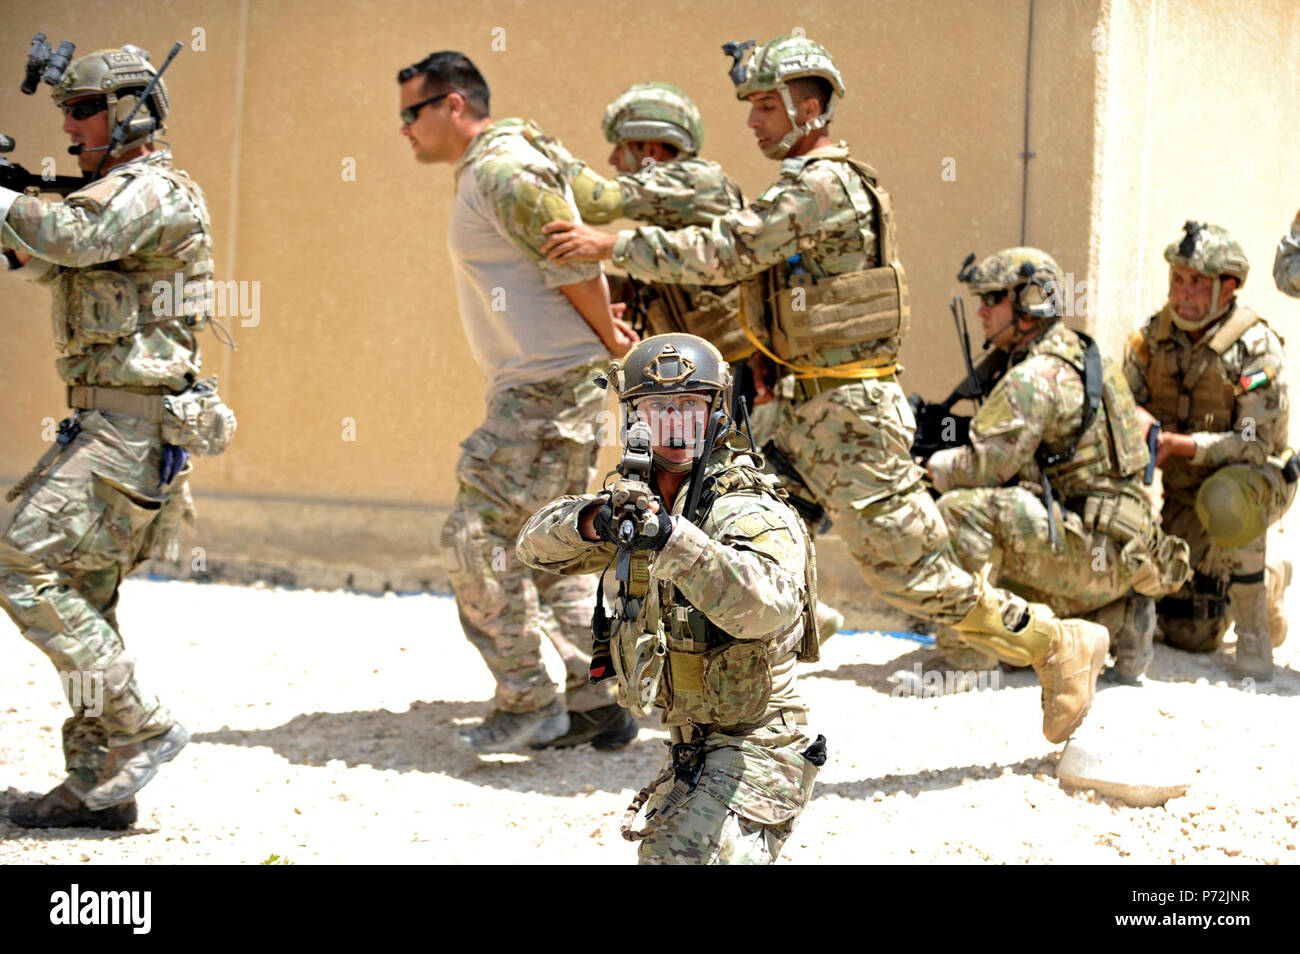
(771, 66)
(658, 112)
(1210, 250)
(114, 74)
(1034, 280)
(673, 364)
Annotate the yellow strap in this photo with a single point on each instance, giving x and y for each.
(854, 369)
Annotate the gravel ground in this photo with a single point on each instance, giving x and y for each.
(322, 725)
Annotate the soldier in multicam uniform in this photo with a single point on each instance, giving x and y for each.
(1211, 371)
(822, 284)
(537, 331)
(1286, 264)
(1062, 421)
(723, 617)
(112, 491)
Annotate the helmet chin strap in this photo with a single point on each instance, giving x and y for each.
(1214, 314)
(780, 149)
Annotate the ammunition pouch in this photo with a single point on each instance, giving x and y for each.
(639, 664)
(197, 419)
(94, 306)
(1157, 563)
(860, 314)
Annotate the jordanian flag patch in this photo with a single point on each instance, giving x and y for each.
(1257, 380)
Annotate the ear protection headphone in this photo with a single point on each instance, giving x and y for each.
(1037, 297)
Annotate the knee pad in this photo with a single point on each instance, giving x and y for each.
(1230, 505)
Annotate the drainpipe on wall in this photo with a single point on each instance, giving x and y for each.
(1026, 154)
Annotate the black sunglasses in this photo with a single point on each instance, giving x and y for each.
(85, 108)
(994, 298)
(411, 113)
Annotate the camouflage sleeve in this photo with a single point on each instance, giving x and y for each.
(524, 196)
(673, 195)
(1009, 426)
(599, 200)
(790, 217)
(550, 540)
(1137, 359)
(744, 569)
(112, 218)
(1262, 413)
(1286, 265)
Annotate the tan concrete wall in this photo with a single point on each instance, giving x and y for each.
(357, 309)
(1196, 121)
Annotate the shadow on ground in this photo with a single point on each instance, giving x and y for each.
(876, 675)
(1174, 665)
(932, 779)
(420, 740)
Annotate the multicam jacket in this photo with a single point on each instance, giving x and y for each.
(1038, 406)
(128, 260)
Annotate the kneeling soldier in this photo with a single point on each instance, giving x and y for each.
(1062, 421)
(716, 601)
(1210, 371)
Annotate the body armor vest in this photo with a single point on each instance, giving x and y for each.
(1203, 396)
(847, 322)
(1110, 445)
(701, 674)
(102, 305)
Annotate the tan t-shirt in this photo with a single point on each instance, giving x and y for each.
(521, 328)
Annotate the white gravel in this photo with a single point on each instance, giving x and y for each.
(322, 724)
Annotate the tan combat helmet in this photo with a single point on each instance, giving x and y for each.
(114, 74)
(770, 67)
(673, 364)
(655, 112)
(1210, 250)
(1031, 276)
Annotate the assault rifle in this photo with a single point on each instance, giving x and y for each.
(14, 176)
(630, 496)
(936, 426)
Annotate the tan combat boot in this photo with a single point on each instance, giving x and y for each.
(1254, 647)
(1277, 577)
(1067, 655)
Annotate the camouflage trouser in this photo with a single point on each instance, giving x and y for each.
(1215, 573)
(852, 446)
(744, 807)
(90, 520)
(1083, 572)
(537, 443)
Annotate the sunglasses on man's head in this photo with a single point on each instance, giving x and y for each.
(84, 108)
(994, 298)
(411, 113)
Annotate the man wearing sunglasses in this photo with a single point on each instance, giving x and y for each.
(1061, 418)
(540, 333)
(112, 490)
